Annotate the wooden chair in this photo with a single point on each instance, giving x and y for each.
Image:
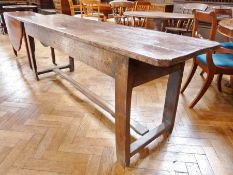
(64, 7)
(185, 26)
(72, 7)
(141, 6)
(210, 63)
(90, 9)
(118, 9)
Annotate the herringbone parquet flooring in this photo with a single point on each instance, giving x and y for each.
(49, 128)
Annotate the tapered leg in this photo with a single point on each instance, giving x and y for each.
(172, 97)
(204, 88)
(27, 49)
(31, 48)
(123, 95)
(219, 80)
(194, 68)
(53, 56)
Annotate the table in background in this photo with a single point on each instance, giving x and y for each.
(4, 3)
(225, 27)
(17, 7)
(155, 19)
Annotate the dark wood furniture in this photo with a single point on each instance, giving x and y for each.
(210, 63)
(17, 7)
(112, 53)
(42, 4)
(161, 7)
(155, 19)
(12, 8)
(4, 3)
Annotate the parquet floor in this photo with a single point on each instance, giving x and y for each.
(49, 128)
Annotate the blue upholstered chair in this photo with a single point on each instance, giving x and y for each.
(210, 63)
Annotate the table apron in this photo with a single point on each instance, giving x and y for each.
(98, 58)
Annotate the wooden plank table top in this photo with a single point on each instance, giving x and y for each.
(226, 27)
(12, 2)
(152, 47)
(19, 6)
(131, 56)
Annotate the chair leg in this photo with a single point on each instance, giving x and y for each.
(219, 80)
(194, 68)
(204, 88)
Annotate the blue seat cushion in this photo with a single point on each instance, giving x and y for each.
(221, 60)
(227, 45)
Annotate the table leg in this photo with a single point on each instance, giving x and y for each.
(27, 49)
(31, 48)
(172, 97)
(123, 93)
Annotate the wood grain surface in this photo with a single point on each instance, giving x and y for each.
(152, 47)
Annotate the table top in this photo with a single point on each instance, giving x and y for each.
(226, 27)
(158, 15)
(11, 2)
(152, 47)
(19, 6)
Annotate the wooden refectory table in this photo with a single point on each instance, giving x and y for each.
(131, 56)
(157, 18)
(225, 27)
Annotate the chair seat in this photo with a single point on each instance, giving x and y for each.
(227, 45)
(220, 60)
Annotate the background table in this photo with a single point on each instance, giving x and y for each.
(155, 19)
(226, 28)
(17, 7)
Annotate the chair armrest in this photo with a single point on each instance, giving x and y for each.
(224, 50)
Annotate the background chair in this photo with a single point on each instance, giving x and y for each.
(141, 6)
(90, 9)
(182, 27)
(73, 7)
(118, 9)
(210, 63)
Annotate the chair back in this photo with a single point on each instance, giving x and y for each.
(57, 4)
(142, 6)
(62, 6)
(191, 7)
(206, 17)
(90, 8)
(118, 9)
(71, 6)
